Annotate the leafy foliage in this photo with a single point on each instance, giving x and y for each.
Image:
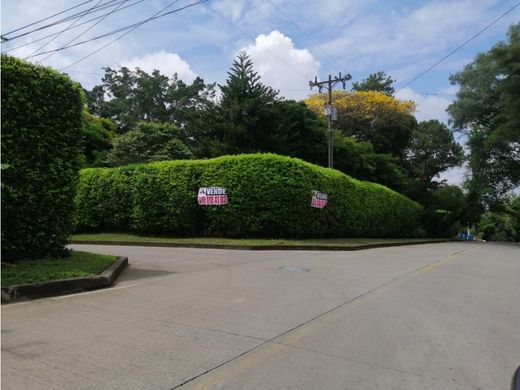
(504, 224)
(378, 81)
(98, 135)
(129, 96)
(148, 142)
(269, 195)
(487, 109)
(432, 150)
(41, 145)
(359, 160)
(450, 198)
(385, 122)
(446, 208)
(243, 121)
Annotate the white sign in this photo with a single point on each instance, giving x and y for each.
(319, 199)
(212, 196)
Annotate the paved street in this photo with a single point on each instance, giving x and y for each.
(437, 316)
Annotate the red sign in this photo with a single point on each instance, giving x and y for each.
(212, 196)
(319, 199)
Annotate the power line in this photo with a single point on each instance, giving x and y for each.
(73, 27)
(155, 16)
(66, 19)
(65, 30)
(47, 18)
(253, 38)
(130, 27)
(459, 47)
(89, 28)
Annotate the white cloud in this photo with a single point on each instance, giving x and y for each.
(427, 106)
(232, 9)
(281, 65)
(455, 175)
(167, 63)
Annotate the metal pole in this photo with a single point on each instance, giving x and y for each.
(329, 123)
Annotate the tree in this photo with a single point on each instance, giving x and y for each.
(297, 132)
(450, 198)
(378, 81)
(128, 96)
(387, 123)
(359, 160)
(98, 135)
(487, 110)
(242, 122)
(432, 150)
(502, 224)
(148, 142)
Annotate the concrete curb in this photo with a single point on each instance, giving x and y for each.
(261, 247)
(65, 286)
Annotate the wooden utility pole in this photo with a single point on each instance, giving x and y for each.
(329, 85)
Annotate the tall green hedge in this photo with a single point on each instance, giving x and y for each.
(269, 195)
(41, 135)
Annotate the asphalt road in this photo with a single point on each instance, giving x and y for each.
(437, 316)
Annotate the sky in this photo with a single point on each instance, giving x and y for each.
(290, 41)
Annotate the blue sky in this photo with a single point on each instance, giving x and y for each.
(290, 41)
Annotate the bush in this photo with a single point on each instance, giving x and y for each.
(441, 223)
(269, 195)
(148, 142)
(98, 135)
(41, 144)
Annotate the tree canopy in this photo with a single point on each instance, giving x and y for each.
(98, 135)
(128, 96)
(242, 121)
(487, 110)
(387, 123)
(432, 150)
(148, 142)
(378, 81)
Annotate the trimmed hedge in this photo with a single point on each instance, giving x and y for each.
(269, 196)
(41, 144)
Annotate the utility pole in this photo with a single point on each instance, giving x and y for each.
(329, 110)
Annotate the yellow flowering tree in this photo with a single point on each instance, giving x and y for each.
(372, 116)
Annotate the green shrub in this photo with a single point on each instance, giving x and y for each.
(41, 143)
(269, 196)
(441, 223)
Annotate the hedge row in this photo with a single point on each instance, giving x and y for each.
(269, 196)
(41, 144)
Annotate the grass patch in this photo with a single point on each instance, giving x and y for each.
(133, 238)
(77, 264)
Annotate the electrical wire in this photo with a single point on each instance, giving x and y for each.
(73, 27)
(65, 30)
(88, 29)
(47, 18)
(153, 17)
(66, 19)
(458, 47)
(130, 27)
